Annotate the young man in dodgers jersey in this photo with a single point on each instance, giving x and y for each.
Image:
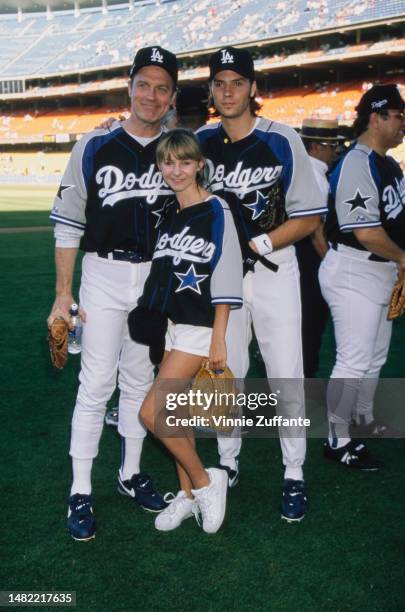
(110, 200)
(262, 170)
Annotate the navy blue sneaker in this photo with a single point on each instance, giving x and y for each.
(294, 501)
(353, 455)
(233, 475)
(140, 487)
(81, 521)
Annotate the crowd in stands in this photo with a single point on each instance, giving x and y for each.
(192, 70)
(68, 41)
(328, 101)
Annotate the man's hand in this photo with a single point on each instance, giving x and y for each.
(319, 241)
(107, 123)
(61, 308)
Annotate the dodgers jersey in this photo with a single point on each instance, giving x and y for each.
(367, 190)
(265, 177)
(113, 190)
(196, 264)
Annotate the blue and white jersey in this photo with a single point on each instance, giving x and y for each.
(113, 191)
(367, 190)
(197, 263)
(265, 177)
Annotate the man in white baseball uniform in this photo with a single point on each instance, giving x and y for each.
(109, 201)
(366, 228)
(263, 171)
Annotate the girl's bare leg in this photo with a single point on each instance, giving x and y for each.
(177, 366)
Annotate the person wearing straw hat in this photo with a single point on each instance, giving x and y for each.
(321, 140)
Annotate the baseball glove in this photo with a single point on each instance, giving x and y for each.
(58, 342)
(396, 306)
(223, 407)
(274, 213)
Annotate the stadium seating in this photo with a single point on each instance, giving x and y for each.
(65, 41)
(333, 101)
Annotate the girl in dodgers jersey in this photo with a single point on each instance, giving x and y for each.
(195, 279)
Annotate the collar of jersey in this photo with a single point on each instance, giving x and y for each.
(256, 123)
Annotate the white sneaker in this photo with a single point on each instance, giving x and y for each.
(211, 500)
(180, 508)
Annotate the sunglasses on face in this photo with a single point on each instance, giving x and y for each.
(391, 115)
(329, 145)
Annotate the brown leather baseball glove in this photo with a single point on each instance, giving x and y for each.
(397, 302)
(58, 342)
(222, 408)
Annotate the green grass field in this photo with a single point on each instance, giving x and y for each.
(26, 205)
(348, 553)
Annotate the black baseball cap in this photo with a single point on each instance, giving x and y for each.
(380, 98)
(149, 327)
(191, 100)
(155, 56)
(231, 58)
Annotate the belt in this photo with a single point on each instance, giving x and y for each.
(130, 256)
(337, 246)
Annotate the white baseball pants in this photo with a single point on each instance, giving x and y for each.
(109, 290)
(357, 291)
(272, 303)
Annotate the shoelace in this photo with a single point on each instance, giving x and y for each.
(173, 501)
(170, 497)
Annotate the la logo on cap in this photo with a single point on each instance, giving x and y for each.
(156, 56)
(226, 58)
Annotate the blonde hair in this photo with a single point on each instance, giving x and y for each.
(180, 143)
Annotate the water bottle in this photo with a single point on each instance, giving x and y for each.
(75, 334)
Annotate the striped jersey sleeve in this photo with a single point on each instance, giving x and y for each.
(302, 194)
(227, 275)
(357, 195)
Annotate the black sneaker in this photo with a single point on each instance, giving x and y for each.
(375, 429)
(353, 455)
(294, 500)
(81, 521)
(233, 475)
(140, 487)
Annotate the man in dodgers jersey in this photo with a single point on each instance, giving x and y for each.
(110, 200)
(366, 228)
(262, 170)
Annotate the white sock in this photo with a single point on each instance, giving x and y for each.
(338, 434)
(81, 476)
(131, 449)
(231, 463)
(295, 473)
(338, 442)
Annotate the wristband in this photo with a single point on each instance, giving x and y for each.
(263, 244)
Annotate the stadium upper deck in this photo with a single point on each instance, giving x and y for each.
(66, 42)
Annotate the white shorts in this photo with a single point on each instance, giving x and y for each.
(192, 339)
